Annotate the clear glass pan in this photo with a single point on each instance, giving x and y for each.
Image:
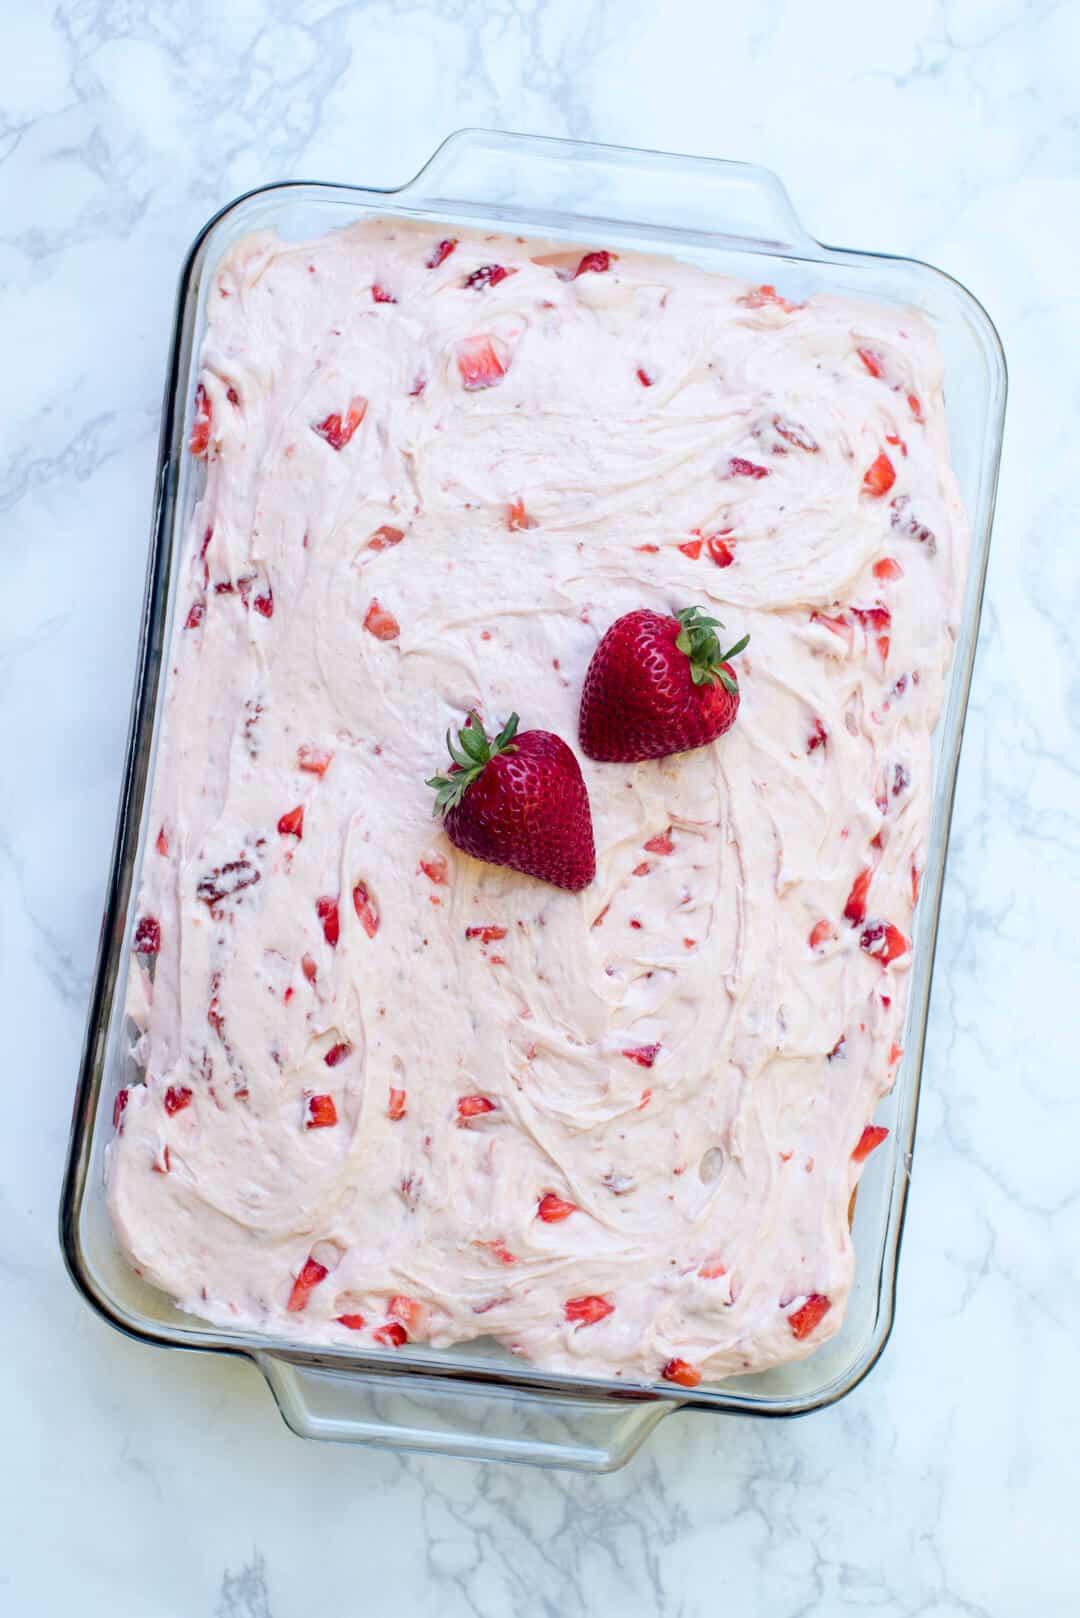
(479, 1401)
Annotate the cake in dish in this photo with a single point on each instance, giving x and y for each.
(392, 1093)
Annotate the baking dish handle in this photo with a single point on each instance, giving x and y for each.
(574, 180)
(433, 1415)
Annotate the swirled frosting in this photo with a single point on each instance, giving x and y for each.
(394, 1093)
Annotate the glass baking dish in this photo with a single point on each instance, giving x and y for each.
(475, 1400)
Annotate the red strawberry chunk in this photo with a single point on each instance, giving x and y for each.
(499, 1250)
(407, 1310)
(119, 1104)
(315, 760)
(321, 1112)
(195, 615)
(441, 252)
(518, 518)
(435, 869)
(309, 1278)
(888, 569)
(817, 737)
(915, 407)
(712, 1268)
(879, 476)
(760, 297)
(486, 935)
(292, 824)
(163, 1164)
(552, 1209)
(392, 1335)
(147, 936)
(740, 467)
(264, 603)
(872, 360)
(488, 275)
(871, 1137)
(199, 441)
(721, 551)
(795, 433)
(337, 1053)
(855, 908)
(308, 967)
(381, 623)
(644, 377)
(884, 942)
(682, 1373)
(380, 295)
(367, 910)
(643, 869)
(916, 878)
(823, 932)
(353, 1322)
(805, 1319)
(338, 432)
(588, 1310)
(384, 537)
(177, 1097)
(479, 363)
(897, 442)
(327, 912)
(598, 262)
(475, 1106)
(661, 844)
(395, 1107)
(643, 1055)
(162, 841)
(692, 548)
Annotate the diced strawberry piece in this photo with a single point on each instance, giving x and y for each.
(712, 1269)
(552, 1209)
(367, 910)
(162, 841)
(381, 623)
(441, 252)
(692, 548)
(475, 1106)
(292, 824)
(486, 935)
(643, 869)
(386, 536)
(419, 384)
(392, 1335)
(897, 442)
(904, 520)
(796, 434)
(499, 1250)
(264, 603)
(163, 1165)
(805, 1319)
(888, 569)
(872, 360)
(337, 432)
(761, 296)
(648, 550)
(681, 1372)
(818, 737)
(353, 1322)
(662, 843)
(643, 1055)
(644, 377)
(480, 363)
(226, 881)
(147, 936)
(309, 1278)
(740, 467)
(597, 262)
(199, 442)
(895, 1053)
(119, 1104)
(435, 869)
(488, 275)
(823, 932)
(379, 294)
(884, 942)
(177, 1097)
(871, 1137)
(308, 967)
(839, 626)
(327, 912)
(337, 1053)
(855, 908)
(517, 517)
(321, 1111)
(315, 760)
(721, 551)
(879, 476)
(915, 407)
(395, 1108)
(915, 880)
(407, 1310)
(588, 1310)
(196, 614)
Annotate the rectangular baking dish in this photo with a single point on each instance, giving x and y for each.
(729, 217)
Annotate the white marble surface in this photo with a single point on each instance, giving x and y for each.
(141, 1482)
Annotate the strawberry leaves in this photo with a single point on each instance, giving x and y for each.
(472, 752)
(697, 640)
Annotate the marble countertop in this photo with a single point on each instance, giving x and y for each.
(166, 1485)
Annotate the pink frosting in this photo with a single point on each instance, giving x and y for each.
(424, 495)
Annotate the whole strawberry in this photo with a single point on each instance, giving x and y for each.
(658, 685)
(519, 801)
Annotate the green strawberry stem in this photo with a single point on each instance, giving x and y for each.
(470, 754)
(697, 640)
